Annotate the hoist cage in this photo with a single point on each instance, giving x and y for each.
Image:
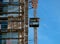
(34, 22)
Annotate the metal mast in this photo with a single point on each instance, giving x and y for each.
(34, 20)
(34, 4)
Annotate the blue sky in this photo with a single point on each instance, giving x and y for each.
(49, 31)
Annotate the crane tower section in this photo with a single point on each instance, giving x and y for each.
(34, 22)
(14, 21)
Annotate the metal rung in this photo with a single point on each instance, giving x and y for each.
(10, 38)
(11, 30)
(11, 12)
(12, 21)
(6, 4)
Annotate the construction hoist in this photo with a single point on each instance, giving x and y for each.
(34, 22)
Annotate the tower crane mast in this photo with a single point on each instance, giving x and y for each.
(34, 5)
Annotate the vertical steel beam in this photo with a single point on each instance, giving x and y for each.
(35, 28)
(35, 35)
(26, 21)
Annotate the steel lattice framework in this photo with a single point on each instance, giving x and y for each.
(17, 24)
